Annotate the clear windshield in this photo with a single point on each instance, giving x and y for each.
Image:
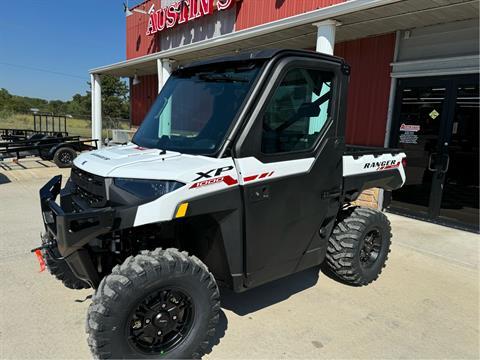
(195, 109)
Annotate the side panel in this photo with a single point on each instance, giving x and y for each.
(284, 215)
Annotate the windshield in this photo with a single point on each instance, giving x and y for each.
(195, 109)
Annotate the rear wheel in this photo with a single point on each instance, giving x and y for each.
(159, 303)
(60, 269)
(64, 156)
(359, 245)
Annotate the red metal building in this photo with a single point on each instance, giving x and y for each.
(370, 59)
(414, 66)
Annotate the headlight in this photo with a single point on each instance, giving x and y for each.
(147, 189)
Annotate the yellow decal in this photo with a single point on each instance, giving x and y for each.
(182, 210)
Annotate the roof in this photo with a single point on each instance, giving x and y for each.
(264, 54)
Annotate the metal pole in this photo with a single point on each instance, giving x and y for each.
(92, 101)
(326, 36)
(97, 120)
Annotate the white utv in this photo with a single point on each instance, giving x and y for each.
(239, 175)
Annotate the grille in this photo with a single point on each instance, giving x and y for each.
(89, 188)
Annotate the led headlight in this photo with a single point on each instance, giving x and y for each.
(147, 189)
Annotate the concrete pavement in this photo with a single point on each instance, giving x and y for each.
(425, 304)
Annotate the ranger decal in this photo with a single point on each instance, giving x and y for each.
(382, 165)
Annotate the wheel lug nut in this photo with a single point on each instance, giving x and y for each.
(159, 332)
(147, 321)
(137, 324)
(164, 306)
(174, 317)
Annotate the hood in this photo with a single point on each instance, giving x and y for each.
(131, 161)
(102, 162)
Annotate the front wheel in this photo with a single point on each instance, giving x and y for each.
(160, 303)
(359, 245)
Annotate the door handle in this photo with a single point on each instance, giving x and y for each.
(259, 193)
(430, 162)
(444, 169)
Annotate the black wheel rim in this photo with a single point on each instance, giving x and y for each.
(161, 321)
(65, 157)
(370, 251)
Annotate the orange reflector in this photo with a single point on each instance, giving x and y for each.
(39, 254)
(182, 210)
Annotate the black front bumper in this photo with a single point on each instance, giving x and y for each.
(72, 231)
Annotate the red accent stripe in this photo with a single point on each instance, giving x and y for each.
(250, 178)
(263, 175)
(394, 166)
(229, 180)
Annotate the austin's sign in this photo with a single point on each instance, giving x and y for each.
(183, 11)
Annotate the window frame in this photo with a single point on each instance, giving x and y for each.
(271, 97)
(249, 142)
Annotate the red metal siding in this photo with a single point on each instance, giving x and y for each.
(369, 88)
(256, 12)
(142, 97)
(138, 43)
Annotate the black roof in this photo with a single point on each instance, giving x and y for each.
(261, 55)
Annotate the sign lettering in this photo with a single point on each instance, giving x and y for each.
(183, 11)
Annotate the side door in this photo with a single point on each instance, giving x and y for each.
(289, 159)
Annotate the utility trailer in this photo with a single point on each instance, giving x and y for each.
(239, 175)
(43, 124)
(49, 140)
(62, 150)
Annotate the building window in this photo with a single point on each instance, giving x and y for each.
(297, 112)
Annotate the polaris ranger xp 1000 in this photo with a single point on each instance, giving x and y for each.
(239, 175)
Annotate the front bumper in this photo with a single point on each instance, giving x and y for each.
(72, 231)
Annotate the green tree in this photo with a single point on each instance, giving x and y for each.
(115, 97)
(115, 102)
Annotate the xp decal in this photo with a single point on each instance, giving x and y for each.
(207, 174)
(227, 179)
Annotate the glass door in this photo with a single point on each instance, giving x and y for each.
(460, 195)
(436, 123)
(417, 131)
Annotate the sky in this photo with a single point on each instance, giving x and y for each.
(48, 46)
